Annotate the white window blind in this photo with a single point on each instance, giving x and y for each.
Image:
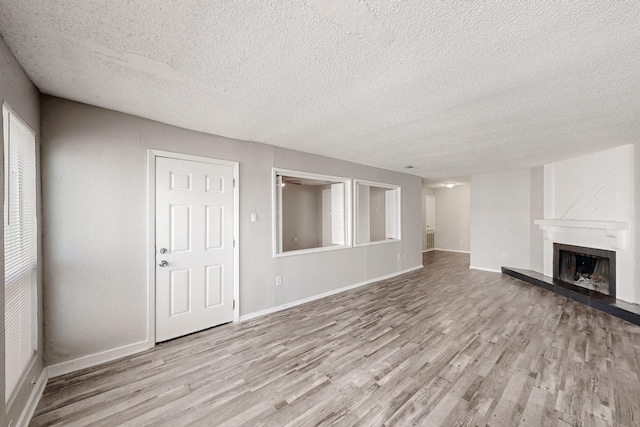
(20, 259)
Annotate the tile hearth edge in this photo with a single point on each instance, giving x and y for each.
(615, 307)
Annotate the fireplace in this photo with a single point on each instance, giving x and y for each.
(589, 268)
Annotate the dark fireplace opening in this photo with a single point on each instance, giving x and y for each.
(589, 268)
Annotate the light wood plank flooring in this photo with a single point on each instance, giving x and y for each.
(444, 345)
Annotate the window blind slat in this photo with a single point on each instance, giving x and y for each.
(20, 240)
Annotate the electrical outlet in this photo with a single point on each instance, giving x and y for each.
(254, 217)
(398, 256)
(504, 255)
(278, 280)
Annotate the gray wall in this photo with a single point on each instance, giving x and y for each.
(501, 220)
(453, 216)
(301, 217)
(18, 92)
(363, 211)
(377, 218)
(94, 166)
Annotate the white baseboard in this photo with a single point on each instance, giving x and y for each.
(491, 270)
(127, 350)
(34, 399)
(429, 250)
(96, 359)
(325, 294)
(452, 250)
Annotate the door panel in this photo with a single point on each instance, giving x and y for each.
(194, 225)
(180, 218)
(215, 184)
(215, 279)
(215, 229)
(180, 291)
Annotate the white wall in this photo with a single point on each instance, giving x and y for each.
(537, 211)
(453, 218)
(501, 220)
(22, 96)
(594, 187)
(95, 205)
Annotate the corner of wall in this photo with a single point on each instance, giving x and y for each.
(501, 219)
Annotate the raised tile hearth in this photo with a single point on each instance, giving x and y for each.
(615, 307)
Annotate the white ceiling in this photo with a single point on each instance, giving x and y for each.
(452, 87)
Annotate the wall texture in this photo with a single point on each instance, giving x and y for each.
(601, 186)
(453, 216)
(537, 211)
(22, 96)
(95, 185)
(301, 217)
(594, 187)
(501, 220)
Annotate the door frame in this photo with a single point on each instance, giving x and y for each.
(152, 154)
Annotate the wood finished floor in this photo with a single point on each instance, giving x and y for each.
(444, 345)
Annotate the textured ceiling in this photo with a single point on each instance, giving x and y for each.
(452, 87)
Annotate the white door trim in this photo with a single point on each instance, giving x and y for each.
(151, 233)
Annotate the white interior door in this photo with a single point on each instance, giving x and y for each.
(431, 213)
(194, 246)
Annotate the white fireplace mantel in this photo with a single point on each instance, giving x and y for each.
(614, 231)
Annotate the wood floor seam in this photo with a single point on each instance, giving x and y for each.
(440, 346)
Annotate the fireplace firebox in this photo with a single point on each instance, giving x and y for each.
(589, 268)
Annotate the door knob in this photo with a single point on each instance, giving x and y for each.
(163, 263)
(163, 250)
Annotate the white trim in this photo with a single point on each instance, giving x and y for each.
(312, 251)
(600, 225)
(34, 399)
(96, 359)
(14, 113)
(608, 234)
(151, 249)
(9, 400)
(377, 242)
(428, 250)
(490, 270)
(276, 227)
(310, 175)
(451, 250)
(323, 295)
(398, 189)
(151, 233)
